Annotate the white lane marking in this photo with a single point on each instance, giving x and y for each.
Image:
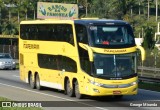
(16, 76)
(53, 96)
(101, 108)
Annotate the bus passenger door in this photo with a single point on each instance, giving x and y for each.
(68, 68)
(58, 72)
(60, 77)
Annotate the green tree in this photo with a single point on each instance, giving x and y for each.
(123, 7)
(10, 29)
(26, 5)
(1, 6)
(148, 37)
(116, 9)
(33, 7)
(101, 8)
(19, 7)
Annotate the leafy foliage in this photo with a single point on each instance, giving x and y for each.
(148, 39)
(10, 29)
(132, 11)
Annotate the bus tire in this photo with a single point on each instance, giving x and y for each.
(38, 86)
(69, 90)
(31, 81)
(77, 93)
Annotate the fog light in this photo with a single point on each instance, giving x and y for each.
(95, 90)
(134, 89)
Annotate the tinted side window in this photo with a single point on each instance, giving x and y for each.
(57, 62)
(47, 61)
(81, 33)
(68, 64)
(47, 32)
(84, 60)
(82, 37)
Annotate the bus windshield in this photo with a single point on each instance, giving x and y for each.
(111, 35)
(115, 66)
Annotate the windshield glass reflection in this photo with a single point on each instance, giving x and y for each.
(114, 66)
(111, 35)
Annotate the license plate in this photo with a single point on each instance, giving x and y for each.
(116, 92)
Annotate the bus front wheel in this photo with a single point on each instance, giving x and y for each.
(69, 90)
(31, 81)
(77, 93)
(38, 86)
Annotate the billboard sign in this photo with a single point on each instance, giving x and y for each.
(57, 10)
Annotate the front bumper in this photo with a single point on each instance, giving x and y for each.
(100, 91)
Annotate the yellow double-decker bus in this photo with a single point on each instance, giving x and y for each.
(94, 57)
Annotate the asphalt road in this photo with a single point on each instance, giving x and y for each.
(13, 88)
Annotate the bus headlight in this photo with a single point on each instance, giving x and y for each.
(98, 84)
(133, 83)
(112, 85)
(95, 83)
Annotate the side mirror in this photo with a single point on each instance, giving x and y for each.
(143, 53)
(90, 52)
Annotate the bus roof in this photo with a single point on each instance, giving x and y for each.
(100, 21)
(77, 21)
(46, 21)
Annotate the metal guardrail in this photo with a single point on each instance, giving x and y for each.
(149, 68)
(149, 74)
(146, 79)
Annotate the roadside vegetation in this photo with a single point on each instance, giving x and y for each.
(150, 86)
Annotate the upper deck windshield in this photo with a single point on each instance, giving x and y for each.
(111, 35)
